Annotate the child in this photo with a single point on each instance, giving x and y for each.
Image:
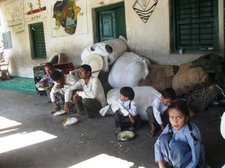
(46, 81)
(156, 112)
(179, 145)
(125, 110)
(61, 84)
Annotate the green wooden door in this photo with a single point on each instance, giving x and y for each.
(110, 22)
(107, 25)
(37, 40)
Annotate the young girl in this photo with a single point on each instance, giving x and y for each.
(179, 145)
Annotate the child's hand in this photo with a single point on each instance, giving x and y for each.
(131, 119)
(161, 164)
(120, 111)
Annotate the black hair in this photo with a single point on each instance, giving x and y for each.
(56, 75)
(49, 65)
(87, 68)
(128, 92)
(169, 93)
(183, 108)
(180, 106)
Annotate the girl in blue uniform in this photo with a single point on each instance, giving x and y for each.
(180, 144)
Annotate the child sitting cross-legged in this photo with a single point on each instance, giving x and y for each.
(180, 144)
(124, 109)
(61, 84)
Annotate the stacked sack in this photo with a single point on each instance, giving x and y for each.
(110, 50)
(189, 78)
(128, 70)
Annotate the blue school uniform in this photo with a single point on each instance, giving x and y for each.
(180, 148)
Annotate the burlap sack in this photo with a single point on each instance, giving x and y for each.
(160, 76)
(188, 79)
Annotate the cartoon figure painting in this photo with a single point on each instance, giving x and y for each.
(65, 13)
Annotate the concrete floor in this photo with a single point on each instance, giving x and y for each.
(88, 139)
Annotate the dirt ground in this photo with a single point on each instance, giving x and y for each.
(90, 143)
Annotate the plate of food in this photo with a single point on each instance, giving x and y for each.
(58, 113)
(125, 135)
(69, 121)
(42, 88)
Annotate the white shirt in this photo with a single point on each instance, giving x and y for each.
(158, 109)
(92, 90)
(125, 107)
(70, 80)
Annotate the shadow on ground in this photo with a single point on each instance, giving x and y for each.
(89, 139)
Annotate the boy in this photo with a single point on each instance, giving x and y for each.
(61, 84)
(156, 112)
(125, 110)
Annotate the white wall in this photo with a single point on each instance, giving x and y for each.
(71, 45)
(151, 39)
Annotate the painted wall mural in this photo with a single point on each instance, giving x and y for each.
(65, 13)
(35, 9)
(69, 17)
(14, 11)
(145, 8)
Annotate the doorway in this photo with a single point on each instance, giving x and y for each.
(37, 40)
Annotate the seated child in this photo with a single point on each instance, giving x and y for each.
(125, 110)
(46, 81)
(179, 145)
(61, 84)
(156, 112)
